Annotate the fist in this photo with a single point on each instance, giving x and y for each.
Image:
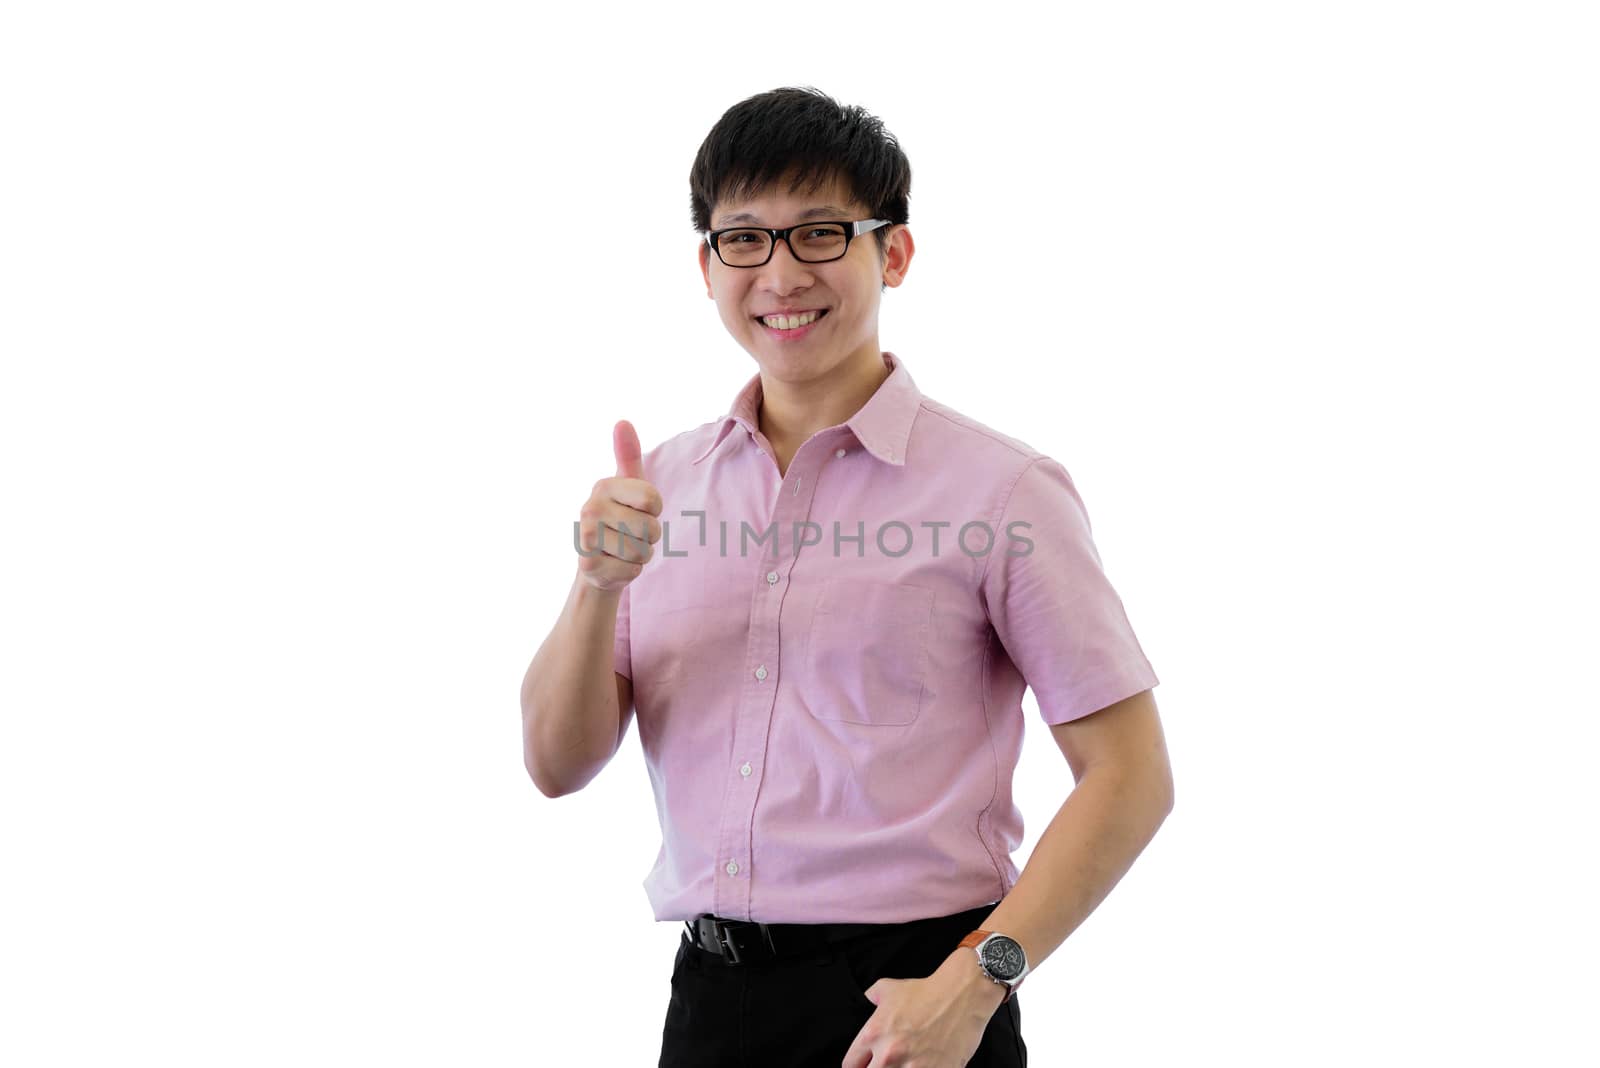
(617, 525)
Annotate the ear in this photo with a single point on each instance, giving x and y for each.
(897, 256)
(705, 267)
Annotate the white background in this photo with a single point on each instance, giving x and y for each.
(311, 356)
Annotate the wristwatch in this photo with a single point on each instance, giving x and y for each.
(1001, 959)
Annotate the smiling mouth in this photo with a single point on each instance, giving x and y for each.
(790, 322)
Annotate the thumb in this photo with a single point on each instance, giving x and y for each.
(625, 443)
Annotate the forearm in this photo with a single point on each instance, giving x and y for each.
(1105, 823)
(570, 716)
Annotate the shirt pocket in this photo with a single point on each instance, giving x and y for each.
(867, 651)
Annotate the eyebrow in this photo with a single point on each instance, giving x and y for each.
(827, 211)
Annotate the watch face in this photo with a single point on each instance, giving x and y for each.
(1002, 957)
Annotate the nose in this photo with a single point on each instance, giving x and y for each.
(783, 273)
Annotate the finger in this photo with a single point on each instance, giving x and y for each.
(635, 527)
(859, 1055)
(625, 443)
(623, 544)
(635, 494)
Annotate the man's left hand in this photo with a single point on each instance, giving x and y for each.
(936, 1022)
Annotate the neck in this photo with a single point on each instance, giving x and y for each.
(790, 412)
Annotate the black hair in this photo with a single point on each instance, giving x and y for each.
(804, 132)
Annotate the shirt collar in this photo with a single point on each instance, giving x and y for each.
(882, 425)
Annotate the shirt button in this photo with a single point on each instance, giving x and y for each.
(839, 452)
(745, 769)
(772, 578)
(732, 868)
(761, 672)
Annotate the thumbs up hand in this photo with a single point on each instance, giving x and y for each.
(619, 518)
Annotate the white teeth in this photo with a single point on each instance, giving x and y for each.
(789, 322)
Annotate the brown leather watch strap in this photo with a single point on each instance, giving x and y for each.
(971, 942)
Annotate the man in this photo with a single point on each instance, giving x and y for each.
(856, 583)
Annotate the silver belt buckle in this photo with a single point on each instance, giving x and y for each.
(719, 934)
(728, 948)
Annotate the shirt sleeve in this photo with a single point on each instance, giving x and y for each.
(1051, 605)
(621, 648)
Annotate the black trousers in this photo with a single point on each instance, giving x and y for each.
(807, 1010)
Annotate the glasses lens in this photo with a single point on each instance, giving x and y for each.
(819, 242)
(741, 248)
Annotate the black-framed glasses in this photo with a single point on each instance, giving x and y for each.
(811, 242)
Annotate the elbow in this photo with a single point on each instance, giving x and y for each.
(559, 761)
(568, 779)
(1151, 787)
(1165, 790)
(551, 785)
(544, 785)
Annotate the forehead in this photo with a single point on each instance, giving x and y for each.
(777, 206)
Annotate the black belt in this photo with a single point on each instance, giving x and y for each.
(745, 942)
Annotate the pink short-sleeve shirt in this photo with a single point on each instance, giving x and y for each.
(828, 667)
